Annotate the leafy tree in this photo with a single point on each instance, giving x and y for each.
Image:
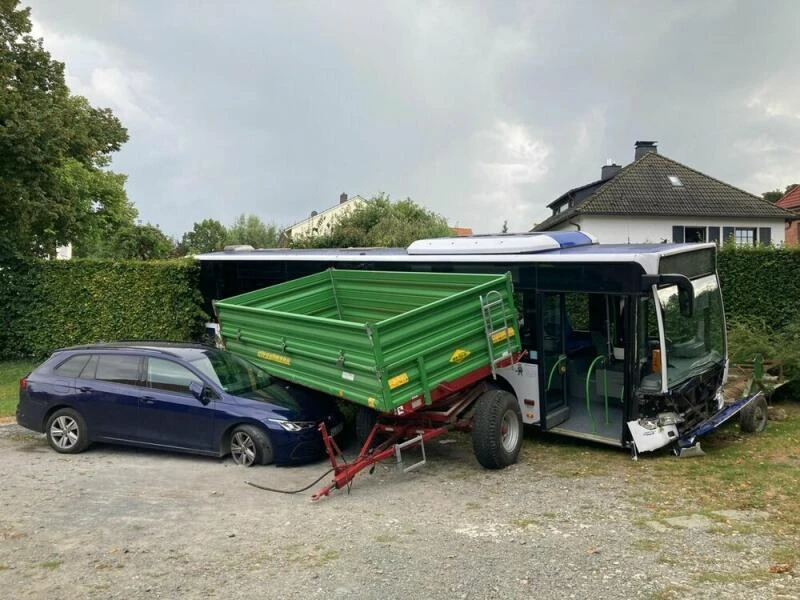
(251, 230)
(381, 222)
(54, 151)
(206, 236)
(134, 242)
(777, 194)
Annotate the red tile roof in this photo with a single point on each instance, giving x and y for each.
(461, 231)
(791, 199)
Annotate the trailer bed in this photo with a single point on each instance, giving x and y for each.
(386, 340)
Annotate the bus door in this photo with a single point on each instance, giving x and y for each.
(553, 376)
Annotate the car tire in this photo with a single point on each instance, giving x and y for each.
(497, 429)
(250, 446)
(365, 421)
(66, 431)
(753, 418)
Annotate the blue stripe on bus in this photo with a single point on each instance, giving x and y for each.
(567, 239)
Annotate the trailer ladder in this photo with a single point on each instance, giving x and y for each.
(490, 303)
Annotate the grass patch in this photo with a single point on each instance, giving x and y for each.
(10, 374)
(647, 545)
(51, 564)
(524, 523)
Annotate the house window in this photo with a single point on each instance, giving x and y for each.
(675, 181)
(695, 234)
(744, 236)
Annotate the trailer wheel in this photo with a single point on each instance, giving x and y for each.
(365, 421)
(753, 418)
(497, 429)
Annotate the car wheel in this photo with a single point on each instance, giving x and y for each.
(497, 429)
(67, 432)
(250, 446)
(753, 418)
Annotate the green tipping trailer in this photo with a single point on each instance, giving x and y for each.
(391, 341)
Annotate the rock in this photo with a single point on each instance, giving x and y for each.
(776, 413)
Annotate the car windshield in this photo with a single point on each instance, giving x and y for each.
(233, 374)
(696, 342)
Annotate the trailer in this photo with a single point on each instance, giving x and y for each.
(418, 353)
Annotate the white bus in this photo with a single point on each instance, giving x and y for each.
(624, 344)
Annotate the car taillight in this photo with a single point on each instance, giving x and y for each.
(23, 384)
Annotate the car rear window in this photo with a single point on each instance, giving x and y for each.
(122, 368)
(72, 367)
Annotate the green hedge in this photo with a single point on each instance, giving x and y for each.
(761, 284)
(50, 304)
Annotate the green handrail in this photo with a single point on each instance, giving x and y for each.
(605, 392)
(552, 370)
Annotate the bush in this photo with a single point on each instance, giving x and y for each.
(51, 304)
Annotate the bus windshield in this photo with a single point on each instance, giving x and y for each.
(697, 342)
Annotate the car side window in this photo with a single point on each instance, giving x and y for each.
(72, 367)
(170, 376)
(118, 368)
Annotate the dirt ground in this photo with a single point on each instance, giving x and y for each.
(117, 522)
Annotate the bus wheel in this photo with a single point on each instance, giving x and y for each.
(753, 418)
(497, 429)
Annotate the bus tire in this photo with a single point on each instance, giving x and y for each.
(497, 429)
(753, 418)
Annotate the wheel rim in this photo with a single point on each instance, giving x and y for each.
(243, 449)
(65, 432)
(509, 431)
(759, 416)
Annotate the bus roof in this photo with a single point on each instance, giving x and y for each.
(510, 250)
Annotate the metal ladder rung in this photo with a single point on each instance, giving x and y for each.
(398, 453)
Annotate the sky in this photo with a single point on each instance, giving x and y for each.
(481, 112)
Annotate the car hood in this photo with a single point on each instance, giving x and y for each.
(293, 402)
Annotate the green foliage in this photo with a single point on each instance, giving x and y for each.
(54, 148)
(206, 236)
(761, 290)
(10, 374)
(132, 242)
(380, 222)
(775, 195)
(251, 230)
(60, 303)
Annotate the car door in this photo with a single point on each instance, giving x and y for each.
(107, 392)
(169, 414)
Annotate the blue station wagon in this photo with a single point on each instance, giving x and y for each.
(182, 397)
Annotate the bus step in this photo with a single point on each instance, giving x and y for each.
(398, 453)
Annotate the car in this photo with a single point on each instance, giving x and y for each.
(174, 396)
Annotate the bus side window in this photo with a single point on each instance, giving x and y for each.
(527, 324)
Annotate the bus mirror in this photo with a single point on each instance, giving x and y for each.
(685, 289)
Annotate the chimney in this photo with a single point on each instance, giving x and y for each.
(643, 148)
(608, 171)
(342, 198)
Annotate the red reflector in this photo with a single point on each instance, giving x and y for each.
(529, 402)
(23, 384)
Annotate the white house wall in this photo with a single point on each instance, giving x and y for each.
(322, 223)
(638, 230)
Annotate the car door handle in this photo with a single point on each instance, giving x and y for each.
(148, 400)
(86, 389)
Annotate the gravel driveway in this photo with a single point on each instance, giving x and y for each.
(123, 523)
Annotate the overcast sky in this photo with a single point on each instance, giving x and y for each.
(479, 111)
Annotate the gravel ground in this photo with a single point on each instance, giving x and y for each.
(124, 523)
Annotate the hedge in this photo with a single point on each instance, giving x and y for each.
(761, 284)
(51, 304)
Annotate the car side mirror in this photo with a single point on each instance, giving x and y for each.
(199, 391)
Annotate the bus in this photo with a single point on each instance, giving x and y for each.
(623, 345)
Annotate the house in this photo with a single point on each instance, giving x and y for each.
(791, 201)
(657, 199)
(321, 222)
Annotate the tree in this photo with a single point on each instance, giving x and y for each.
(54, 151)
(251, 230)
(134, 242)
(777, 194)
(381, 222)
(206, 236)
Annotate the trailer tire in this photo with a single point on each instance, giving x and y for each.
(497, 429)
(753, 418)
(365, 421)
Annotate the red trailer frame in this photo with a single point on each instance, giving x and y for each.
(411, 425)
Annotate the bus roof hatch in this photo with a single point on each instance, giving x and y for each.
(506, 243)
